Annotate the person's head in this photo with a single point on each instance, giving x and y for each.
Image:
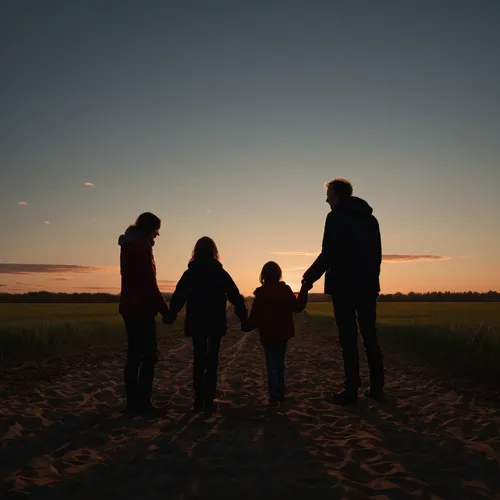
(205, 249)
(337, 191)
(271, 273)
(147, 224)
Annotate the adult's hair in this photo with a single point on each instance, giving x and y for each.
(341, 187)
(271, 273)
(146, 223)
(205, 249)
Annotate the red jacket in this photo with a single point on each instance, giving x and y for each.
(272, 311)
(140, 295)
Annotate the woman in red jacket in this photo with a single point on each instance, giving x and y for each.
(272, 313)
(140, 301)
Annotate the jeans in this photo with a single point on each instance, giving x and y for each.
(275, 363)
(142, 354)
(205, 365)
(351, 312)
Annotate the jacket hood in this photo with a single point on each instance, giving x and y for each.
(129, 237)
(278, 292)
(356, 206)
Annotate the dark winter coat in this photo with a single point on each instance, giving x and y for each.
(140, 295)
(272, 312)
(205, 289)
(351, 253)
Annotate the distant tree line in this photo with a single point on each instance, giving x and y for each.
(108, 298)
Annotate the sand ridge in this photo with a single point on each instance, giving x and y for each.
(62, 434)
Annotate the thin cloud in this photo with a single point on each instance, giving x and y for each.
(96, 288)
(47, 268)
(23, 203)
(166, 285)
(47, 222)
(393, 257)
(2, 285)
(60, 279)
(294, 269)
(413, 258)
(294, 253)
(88, 184)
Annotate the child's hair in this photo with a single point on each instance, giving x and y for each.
(271, 273)
(146, 223)
(205, 249)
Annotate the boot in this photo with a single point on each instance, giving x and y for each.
(345, 398)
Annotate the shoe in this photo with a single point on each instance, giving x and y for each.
(197, 406)
(345, 398)
(132, 407)
(281, 395)
(209, 407)
(376, 395)
(274, 401)
(149, 409)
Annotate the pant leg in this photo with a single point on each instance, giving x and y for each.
(212, 365)
(200, 349)
(345, 318)
(281, 368)
(149, 358)
(272, 369)
(366, 308)
(134, 357)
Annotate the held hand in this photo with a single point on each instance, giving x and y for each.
(169, 318)
(245, 326)
(306, 286)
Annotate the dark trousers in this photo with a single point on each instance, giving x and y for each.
(142, 354)
(206, 362)
(351, 312)
(275, 364)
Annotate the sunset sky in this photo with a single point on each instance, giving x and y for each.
(226, 118)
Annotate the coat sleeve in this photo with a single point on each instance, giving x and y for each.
(254, 318)
(179, 297)
(301, 301)
(322, 262)
(234, 296)
(146, 276)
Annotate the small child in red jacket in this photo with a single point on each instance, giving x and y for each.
(272, 314)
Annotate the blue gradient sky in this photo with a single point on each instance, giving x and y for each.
(226, 118)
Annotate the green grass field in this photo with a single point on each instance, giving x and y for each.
(28, 330)
(463, 339)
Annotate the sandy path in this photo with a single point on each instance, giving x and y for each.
(62, 435)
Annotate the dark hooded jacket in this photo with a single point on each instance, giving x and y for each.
(140, 295)
(205, 289)
(351, 253)
(272, 312)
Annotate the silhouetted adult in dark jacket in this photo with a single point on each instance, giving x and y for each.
(205, 288)
(351, 256)
(140, 301)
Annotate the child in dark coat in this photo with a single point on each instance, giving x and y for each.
(205, 288)
(272, 314)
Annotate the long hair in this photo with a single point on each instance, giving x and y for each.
(205, 249)
(271, 273)
(146, 223)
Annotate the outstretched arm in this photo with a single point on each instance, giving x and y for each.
(322, 262)
(301, 300)
(146, 276)
(234, 296)
(253, 319)
(179, 296)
